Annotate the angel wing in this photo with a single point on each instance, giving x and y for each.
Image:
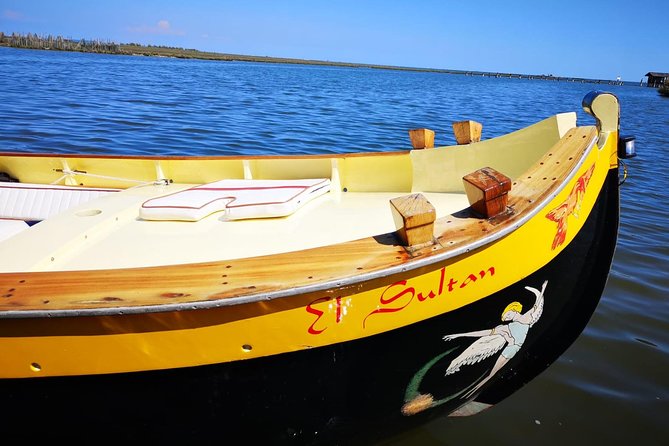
(538, 308)
(480, 349)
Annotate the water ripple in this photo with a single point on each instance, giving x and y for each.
(73, 103)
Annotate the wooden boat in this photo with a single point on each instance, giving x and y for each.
(664, 90)
(299, 299)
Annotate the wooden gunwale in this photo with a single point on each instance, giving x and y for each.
(207, 157)
(199, 285)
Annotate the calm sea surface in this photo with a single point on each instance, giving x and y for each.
(611, 387)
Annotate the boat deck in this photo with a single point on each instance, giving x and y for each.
(102, 258)
(107, 233)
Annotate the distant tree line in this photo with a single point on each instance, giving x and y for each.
(34, 41)
(49, 42)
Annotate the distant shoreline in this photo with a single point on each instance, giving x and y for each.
(58, 43)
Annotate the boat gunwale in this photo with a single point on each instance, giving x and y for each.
(411, 264)
(206, 157)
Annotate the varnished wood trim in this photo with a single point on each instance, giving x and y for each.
(487, 191)
(57, 156)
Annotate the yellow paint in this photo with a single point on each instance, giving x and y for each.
(109, 344)
(529, 144)
(117, 344)
(375, 174)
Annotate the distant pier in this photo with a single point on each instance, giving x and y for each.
(544, 77)
(656, 79)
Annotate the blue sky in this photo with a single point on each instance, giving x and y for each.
(597, 39)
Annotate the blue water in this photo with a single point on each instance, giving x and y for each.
(611, 387)
(72, 102)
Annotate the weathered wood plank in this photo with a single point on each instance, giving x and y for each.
(414, 219)
(421, 138)
(467, 132)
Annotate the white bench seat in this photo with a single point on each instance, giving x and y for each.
(240, 199)
(36, 202)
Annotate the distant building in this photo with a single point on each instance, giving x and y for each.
(657, 79)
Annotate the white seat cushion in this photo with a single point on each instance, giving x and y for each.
(238, 198)
(25, 201)
(9, 228)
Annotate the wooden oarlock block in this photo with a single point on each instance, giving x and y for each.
(467, 132)
(487, 191)
(414, 219)
(422, 138)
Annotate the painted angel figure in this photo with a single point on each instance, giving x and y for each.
(508, 337)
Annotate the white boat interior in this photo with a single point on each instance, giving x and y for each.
(80, 220)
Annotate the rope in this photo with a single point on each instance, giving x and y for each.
(620, 183)
(71, 173)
